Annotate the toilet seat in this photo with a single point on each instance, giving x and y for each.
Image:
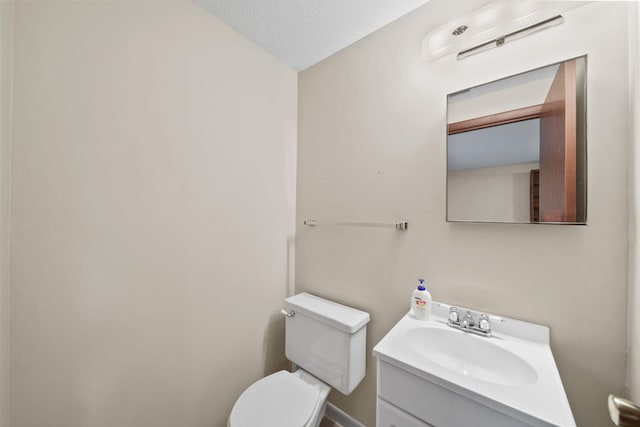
(282, 399)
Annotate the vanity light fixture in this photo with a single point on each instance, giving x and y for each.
(493, 24)
(499, 41)
(458, 31)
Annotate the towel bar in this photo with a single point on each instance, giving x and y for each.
(400, 225)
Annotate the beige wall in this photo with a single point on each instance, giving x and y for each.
(499, 194)
(371, 146)
(6, 58)
(633, 361)
(485, 102)
(153, 202)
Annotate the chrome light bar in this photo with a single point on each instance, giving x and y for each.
(499, 41)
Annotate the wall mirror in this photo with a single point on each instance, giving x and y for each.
(516, 148)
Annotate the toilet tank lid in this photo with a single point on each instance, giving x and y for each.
(346, 319)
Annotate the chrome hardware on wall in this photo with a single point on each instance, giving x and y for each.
(400, 225)
(288, 313)
(468, 323)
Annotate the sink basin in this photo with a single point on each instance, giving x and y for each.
(513, 371)
(470, 355)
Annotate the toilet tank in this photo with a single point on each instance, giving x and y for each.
(327, 339)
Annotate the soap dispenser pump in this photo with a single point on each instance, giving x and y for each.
(421, 302)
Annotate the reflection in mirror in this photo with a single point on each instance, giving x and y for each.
(516, 148)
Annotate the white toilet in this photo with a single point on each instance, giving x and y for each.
(327, 341)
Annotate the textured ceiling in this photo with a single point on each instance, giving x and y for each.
(303, 32)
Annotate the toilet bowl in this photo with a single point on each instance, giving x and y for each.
(282, 399)
(327, 342)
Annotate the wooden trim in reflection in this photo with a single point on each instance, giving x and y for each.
(506, 117)
(534, 195)
(558, 148)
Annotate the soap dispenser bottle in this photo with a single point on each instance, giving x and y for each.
(421, 302)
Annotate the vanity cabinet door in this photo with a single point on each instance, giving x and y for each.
(390, 416)
(435, 404)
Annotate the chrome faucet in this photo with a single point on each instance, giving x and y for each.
(454, 316)
(483, 323)
(468, 323)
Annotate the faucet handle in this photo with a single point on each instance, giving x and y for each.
(483, 323)
(454, 316)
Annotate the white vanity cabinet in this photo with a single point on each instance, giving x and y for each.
(406, 400)
(388, 415)
(433, 375)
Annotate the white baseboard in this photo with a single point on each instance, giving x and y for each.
(341, 417)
